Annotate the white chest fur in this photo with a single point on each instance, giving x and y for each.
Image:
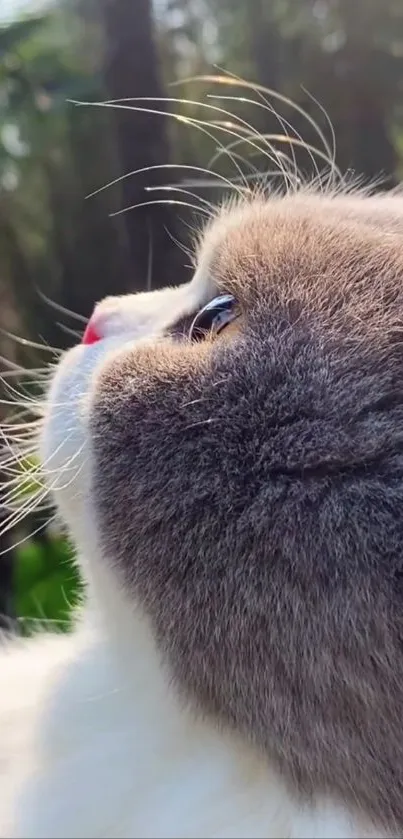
(97, 747)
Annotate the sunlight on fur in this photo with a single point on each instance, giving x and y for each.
(235, 669)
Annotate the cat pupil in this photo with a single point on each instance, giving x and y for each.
(213, 317)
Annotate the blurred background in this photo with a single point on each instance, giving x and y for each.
(61, 245)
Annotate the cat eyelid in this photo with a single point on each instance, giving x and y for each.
(214, 317)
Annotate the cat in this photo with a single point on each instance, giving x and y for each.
(227, 457)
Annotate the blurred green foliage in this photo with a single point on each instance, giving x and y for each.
(347, 53)
(47, 584)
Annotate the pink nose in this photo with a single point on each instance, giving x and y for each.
(90, 335)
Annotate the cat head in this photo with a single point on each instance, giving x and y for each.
(243, 484)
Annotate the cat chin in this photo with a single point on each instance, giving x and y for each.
(64, 444)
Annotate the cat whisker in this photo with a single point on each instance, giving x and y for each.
(180, 245)
(232, 80)
(74, 477)
(169, 201)
(285, 123)
(208, 421)
(22, 372)
(21, 513)
(59, 308)
(28, 536)
(26, 342)
(164, 166)
(332, 149)
(72, 332)
(201, 125)
(182, 191)
(292, 141)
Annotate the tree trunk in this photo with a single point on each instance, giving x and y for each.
(266, 46)
(132, 71)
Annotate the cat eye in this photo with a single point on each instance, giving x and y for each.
(214, 317)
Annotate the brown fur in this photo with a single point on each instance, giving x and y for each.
(251, 492)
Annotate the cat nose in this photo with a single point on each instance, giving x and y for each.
(91, 334)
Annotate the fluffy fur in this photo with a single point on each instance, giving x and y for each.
(237, 669)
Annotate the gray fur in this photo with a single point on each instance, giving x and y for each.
(251, 492)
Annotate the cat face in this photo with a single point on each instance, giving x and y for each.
(245, 488)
